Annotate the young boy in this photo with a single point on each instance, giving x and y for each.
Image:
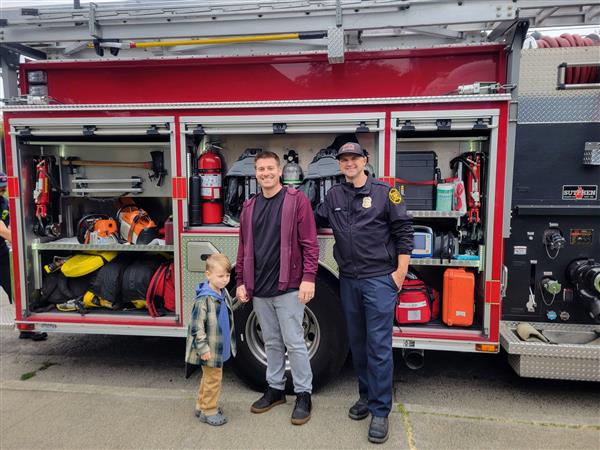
(210, 340)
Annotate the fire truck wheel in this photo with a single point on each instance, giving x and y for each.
(324, 333)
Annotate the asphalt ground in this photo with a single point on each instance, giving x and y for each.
(125, 392)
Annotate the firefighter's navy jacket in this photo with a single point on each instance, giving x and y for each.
(4, 217)
(370, 225)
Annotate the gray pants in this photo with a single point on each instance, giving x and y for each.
(280, 320)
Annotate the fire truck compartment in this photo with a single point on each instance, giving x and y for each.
(562, 360)
(93, 167)
(475, 131)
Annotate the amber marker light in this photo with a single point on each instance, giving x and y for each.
(490, 348)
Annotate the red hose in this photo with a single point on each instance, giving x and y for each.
(550, 41)
(573, 75)
(575, 71)
(593, 70)
(542, 44)
(586, 72)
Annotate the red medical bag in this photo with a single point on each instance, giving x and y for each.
(417, 302)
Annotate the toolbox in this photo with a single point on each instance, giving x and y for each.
(416, 177)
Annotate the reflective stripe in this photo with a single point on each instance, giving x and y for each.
(413, 305)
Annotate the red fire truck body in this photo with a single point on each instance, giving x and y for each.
(394, 101)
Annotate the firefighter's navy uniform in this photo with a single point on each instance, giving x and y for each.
(4, 252)
(371, 228)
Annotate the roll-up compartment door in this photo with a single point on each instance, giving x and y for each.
(90, 128)
(301, 135)
(438, 121)
(291, 124)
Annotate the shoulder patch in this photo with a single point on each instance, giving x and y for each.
(395, 196)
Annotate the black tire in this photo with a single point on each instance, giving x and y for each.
(325, 332)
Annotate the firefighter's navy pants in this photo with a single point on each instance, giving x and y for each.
(5, 275)
(368, 305)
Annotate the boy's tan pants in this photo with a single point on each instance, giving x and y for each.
(209, 390)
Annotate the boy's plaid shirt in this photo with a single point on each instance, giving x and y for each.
(204, 333)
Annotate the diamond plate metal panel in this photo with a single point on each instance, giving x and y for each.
(591, 154)
(539, 68)
(264, 104)
(513, 345)
(189, 280)
(326, 254)
(553, 109)
(539, 99)
(559, 361)
(229, 246)
(555, 368)
(335, 45)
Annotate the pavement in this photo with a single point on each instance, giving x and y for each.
(7, 311)
(126, 392)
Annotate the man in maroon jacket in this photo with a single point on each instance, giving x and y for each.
(276, 267)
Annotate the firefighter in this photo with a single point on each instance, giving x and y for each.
(373, 241)
(5, 236)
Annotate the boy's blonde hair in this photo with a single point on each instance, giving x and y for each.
(218, 259)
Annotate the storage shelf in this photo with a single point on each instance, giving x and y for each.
(435, 214)
(104, 195)
(444, 262)
(442, 139)
(106, 248)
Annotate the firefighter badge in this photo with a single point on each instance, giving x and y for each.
(395, 196)
(367, 201)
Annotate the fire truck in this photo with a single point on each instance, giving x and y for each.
(553, 253)
(131, 132)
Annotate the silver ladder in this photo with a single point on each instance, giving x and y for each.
(58, 32)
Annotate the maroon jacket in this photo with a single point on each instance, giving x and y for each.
(299, 253)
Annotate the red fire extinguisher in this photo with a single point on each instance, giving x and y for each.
(211, 196)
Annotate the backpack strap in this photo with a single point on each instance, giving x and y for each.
(169, 272)
(151, 294)
(419, 183)
(429, 294)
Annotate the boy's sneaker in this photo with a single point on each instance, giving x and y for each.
(198, 413)
(302, 409)
(359, 410)
(216, 420)
(272, 397)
